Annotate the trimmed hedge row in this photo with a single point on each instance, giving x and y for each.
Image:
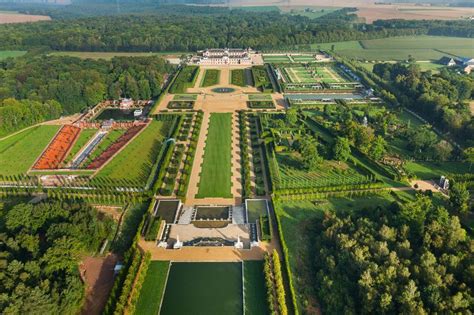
(274, 284)
(138, 284)
(244, 155)
(189, 159)
(186, 78)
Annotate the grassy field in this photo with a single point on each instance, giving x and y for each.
(255, 290)
(211, 77)
(84, 137)
(203, 288)
(20, 151)
(434, 170)
(313, 12)
(421, 47)
(11, 53)
(109, 55)
(216, 168)
(135, 161)
(153, 287)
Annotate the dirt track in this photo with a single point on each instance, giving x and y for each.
(8, 18)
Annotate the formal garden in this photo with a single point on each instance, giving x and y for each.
(262, 79)
(186, 78)
(211, 77)
(260, 101)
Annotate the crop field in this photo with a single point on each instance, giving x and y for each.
(19, 152)
(203, 288)
(135, 161)
(11, 54)
(215, 180)
(153, 288)
(399, 48)
(211, 77)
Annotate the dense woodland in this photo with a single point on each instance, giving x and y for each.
(410, 259)
(40, 249)
(441, 98)
(172, 32)
(48, 86)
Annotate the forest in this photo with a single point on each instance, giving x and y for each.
(40, 249)
(441, 98)
(234, 28)
(49, 86)
(413, 258)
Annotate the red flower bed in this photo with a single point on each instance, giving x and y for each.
(55, 153)
(115, 147)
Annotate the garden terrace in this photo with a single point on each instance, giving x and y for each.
(115, 147)
(186, 78)
(56, 151)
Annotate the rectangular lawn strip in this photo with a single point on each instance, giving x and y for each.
(135, 161)
(255, 290)
(211, 77)
(84, 137)
(153, 287)
(185, 97)
(19, 152)
(215, 179)
(203, 288)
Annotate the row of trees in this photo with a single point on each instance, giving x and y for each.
(41, 246)
(411, 258)
(52, 85)
(173, 32)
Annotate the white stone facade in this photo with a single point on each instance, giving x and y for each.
(227, 56)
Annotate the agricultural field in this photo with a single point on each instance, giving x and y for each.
(400, 48)
(11, 54)
(211, 77)
(313, 12)
(215, 179)
(19, 151)
(135, 161)
(207, 288)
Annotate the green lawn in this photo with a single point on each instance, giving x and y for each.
(11, 53)
(19, 152)
(84, 137)
(153, 288)
(211, 77)
(255, 290)
(421, 47)
(215, 178)
(313, 12)
(135, 161)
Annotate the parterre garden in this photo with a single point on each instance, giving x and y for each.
(186, 78)
(211, 77)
